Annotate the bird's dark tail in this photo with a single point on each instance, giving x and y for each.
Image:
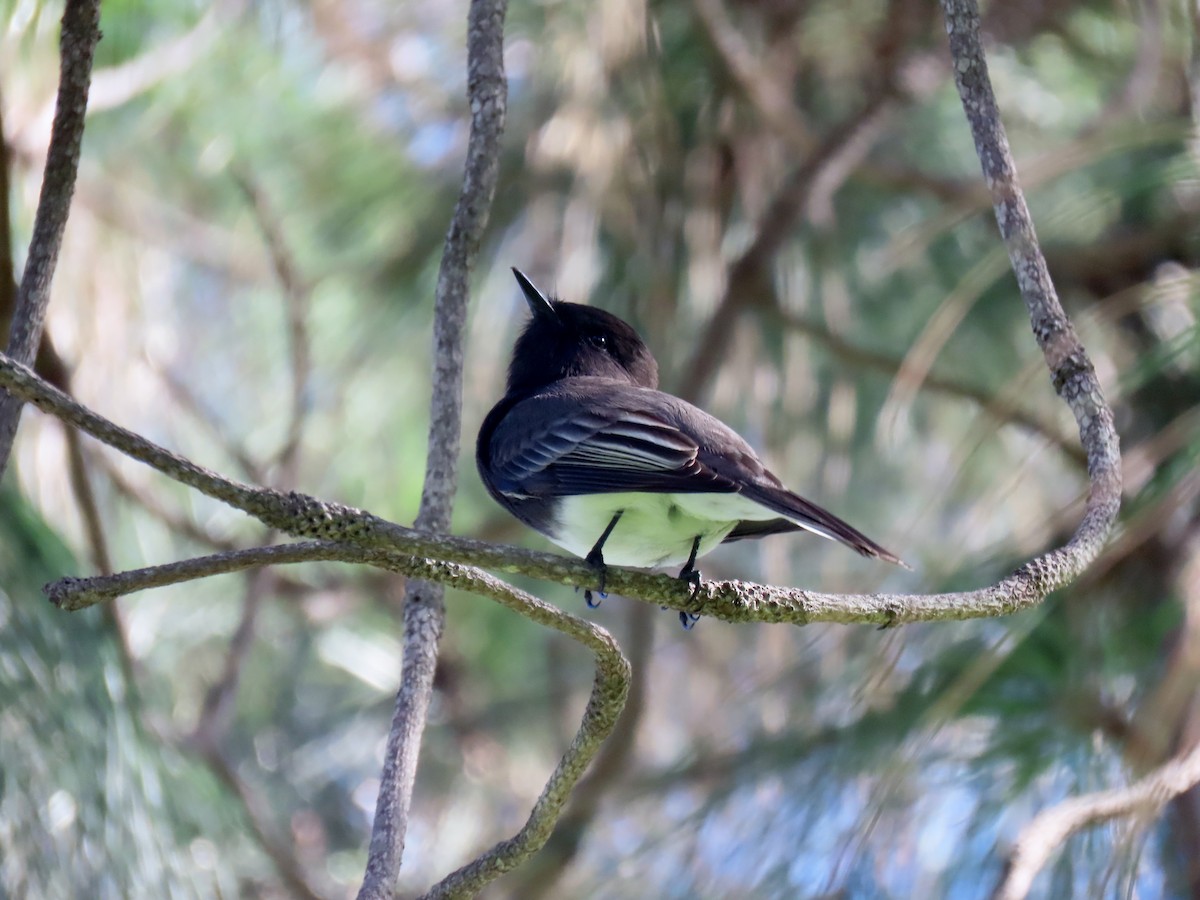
(796, 513)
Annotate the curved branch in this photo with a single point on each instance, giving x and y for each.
(541, 877)
(77, 47)
(609, 689)
(1051, 827)
(1070, 368)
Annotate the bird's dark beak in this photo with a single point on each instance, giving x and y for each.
(539, 304)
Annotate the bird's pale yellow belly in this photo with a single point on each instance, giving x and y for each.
(654, 529)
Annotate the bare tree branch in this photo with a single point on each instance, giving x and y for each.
(181, 392)
(178, 522)
(1051, 827)
(77, 46)
(756, 80)
(424, 612)
(219, 706)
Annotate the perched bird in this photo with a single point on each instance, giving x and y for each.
(586, 450)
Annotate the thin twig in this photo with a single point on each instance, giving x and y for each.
(180, 523)
(218, 708)
(755, 80)
(216, 712)
(424, 611)
(1051, 827)
(191, 403)
(812, 185)
(297, 294)
(1136, 90)
(114, 86)
(998, 407)
(748, 277)
(77, 47)
(8, 278)
(939, 327)
(286, 864)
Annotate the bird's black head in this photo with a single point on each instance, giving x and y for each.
(566, 340)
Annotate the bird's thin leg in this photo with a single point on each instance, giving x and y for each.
(595, 559)
(691, 575)
(689, 572)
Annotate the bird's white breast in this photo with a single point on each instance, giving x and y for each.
(654, 529)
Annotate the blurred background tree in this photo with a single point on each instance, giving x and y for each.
(783, 198)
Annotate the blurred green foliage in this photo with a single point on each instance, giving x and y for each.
(768, 762)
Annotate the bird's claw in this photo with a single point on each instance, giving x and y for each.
(596, 561)
(690, 576)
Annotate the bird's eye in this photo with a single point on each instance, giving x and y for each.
(599, 341)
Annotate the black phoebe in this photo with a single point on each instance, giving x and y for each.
(586, 450)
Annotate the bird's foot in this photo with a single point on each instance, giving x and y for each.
(690, 576)
(595, 559)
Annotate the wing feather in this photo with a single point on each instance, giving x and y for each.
(584, 451)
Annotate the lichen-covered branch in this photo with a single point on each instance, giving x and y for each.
(77, 47)
(1071, 370)
(609, 690)
(303, 516)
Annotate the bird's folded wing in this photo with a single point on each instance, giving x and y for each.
(581, 451)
